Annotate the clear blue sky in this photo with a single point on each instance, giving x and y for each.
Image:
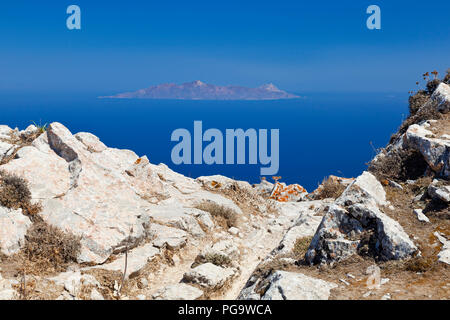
(301, 46)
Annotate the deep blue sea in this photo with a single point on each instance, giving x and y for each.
(320, 134)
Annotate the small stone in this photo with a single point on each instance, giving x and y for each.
(233, 230)
(387, 296)
(420, 216)
(344, 282)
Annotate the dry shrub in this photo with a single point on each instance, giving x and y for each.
(48, 249)
(420, 264)
(399, 165)
(214, 258)
(417, 101)
(330, 189)
(226, 216)
(447, 77)
(301, 246)
(427, 112)
(15, 194)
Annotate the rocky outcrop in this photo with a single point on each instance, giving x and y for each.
(14, 226)
(209, 276)
(104, 195)
(354, 214)
(179, 291)
(284, 285)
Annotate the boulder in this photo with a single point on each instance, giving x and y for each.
(442, 96)
(226, 248)
(444, 255)
(283, 285)
(6, 290)
(91, 142)
(290, 193)
(179, 291)
(435, 151)
(176, 216)
(209, 276)
(439, 191)
(137, 259)
(219, 182)
(73, 281)
(296, 286)
(163, 236)
(13, 228)
(354, 214)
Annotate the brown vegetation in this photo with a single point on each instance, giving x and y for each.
(224, 216)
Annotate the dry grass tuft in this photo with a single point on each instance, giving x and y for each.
(15, 194)
(48, 249)
(214, 258)
(301, 246)
(225, 216)
(331, 188)
(399, 165)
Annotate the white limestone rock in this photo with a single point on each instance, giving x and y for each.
(137, 259)
(442, 96)
(92, 143)
(167, 236)
(13, 228)
(354, 211)
(420, 216)
(444, 255)
(179, 291)
(209, 275)
(283, 285)
(177, 217)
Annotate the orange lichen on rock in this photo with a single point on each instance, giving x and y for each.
(283, 193)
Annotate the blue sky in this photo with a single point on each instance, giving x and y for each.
(301, 46)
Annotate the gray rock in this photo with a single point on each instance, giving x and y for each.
(136, 261)
(442, 96)
(439, 191)
(420, 216)
(14, 226)
(296, 286)
(176, 216)
(6, 290)
(92, 143)
(209, 275)
(355, 211)
(225, 248)
(435, 151)
(395, 185)
(179, 291)
(444, 255)
(167, 236)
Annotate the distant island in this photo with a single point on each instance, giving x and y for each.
(198, 90)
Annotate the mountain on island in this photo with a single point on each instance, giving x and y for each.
(198, 90)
